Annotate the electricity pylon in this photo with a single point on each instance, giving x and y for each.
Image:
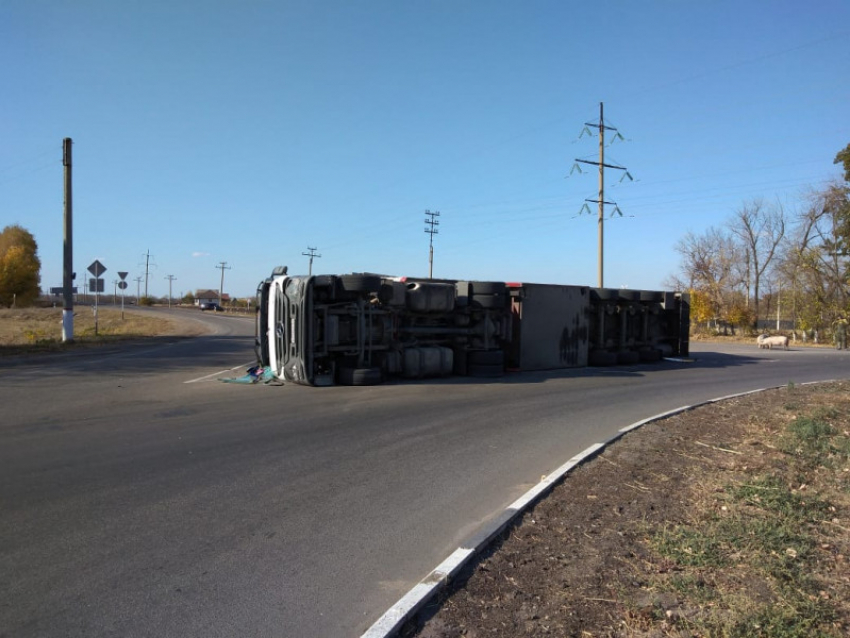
(601, 199)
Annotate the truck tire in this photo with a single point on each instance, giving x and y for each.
(627, 358)
(483, 370)
(604, 294)
(602, 358)
(360, 283)
(649, 355)
(489, 294)
(651, 296)
(360, 376)
(486, 357)
(488, 288)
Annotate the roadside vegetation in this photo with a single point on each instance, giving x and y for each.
(33, 330)
(729, 520)
(768, 265)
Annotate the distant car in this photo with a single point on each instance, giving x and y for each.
(211, 306)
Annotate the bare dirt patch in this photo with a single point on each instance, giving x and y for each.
(731, 519)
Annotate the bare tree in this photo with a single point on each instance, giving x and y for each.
(709, 267)
(760, 229)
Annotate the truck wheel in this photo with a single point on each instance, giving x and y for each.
(360, 376)
(604, 294)
(649, 355)
(627, 357)
(486, 370)
(488, 288)
(488, 294)
(651, 296)
(602, 358)
(486, 357)
(360, 283)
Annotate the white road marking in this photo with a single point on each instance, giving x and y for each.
(423, 591)
(215, 374)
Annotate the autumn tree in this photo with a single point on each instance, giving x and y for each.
(808, 251)
(19, 267)
(709, 268)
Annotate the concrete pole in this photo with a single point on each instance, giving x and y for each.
(68, 250)
(170, 278)
(601, 195)
(222, 265)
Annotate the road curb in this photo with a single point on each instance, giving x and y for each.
(391, 621)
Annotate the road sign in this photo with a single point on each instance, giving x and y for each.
(95, 285)
(97, 269)
(122, 284)
(123, 276)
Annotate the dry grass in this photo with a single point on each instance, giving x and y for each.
(25, 330)
(731, 520)
(765, 550)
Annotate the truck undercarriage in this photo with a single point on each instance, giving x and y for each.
(361, 329)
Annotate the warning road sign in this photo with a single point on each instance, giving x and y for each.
(96, 268)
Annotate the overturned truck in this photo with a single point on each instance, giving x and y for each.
(362, 328)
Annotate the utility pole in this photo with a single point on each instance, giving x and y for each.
(170, 278)
(222, 265)
(114, 292)
(147, 269)
(601, 199)
(138, 283)
(311, 254)
(68, 250)
(431, 224)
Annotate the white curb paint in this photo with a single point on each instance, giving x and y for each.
(416, 598)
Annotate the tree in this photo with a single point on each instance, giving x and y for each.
(20, 267)
(815, 257)
(843, 157)
(709, 265)
(760, 230)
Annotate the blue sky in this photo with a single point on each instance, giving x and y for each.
(246, 132)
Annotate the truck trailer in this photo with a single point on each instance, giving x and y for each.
(364, 328)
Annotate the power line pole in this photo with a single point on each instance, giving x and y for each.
(311, 254)
(138, 283)
(431, 228)
(68, 250)
(147, 269)
(601, 199)
(170, 278)
(222, 265)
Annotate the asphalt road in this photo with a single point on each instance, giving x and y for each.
(139, 496)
